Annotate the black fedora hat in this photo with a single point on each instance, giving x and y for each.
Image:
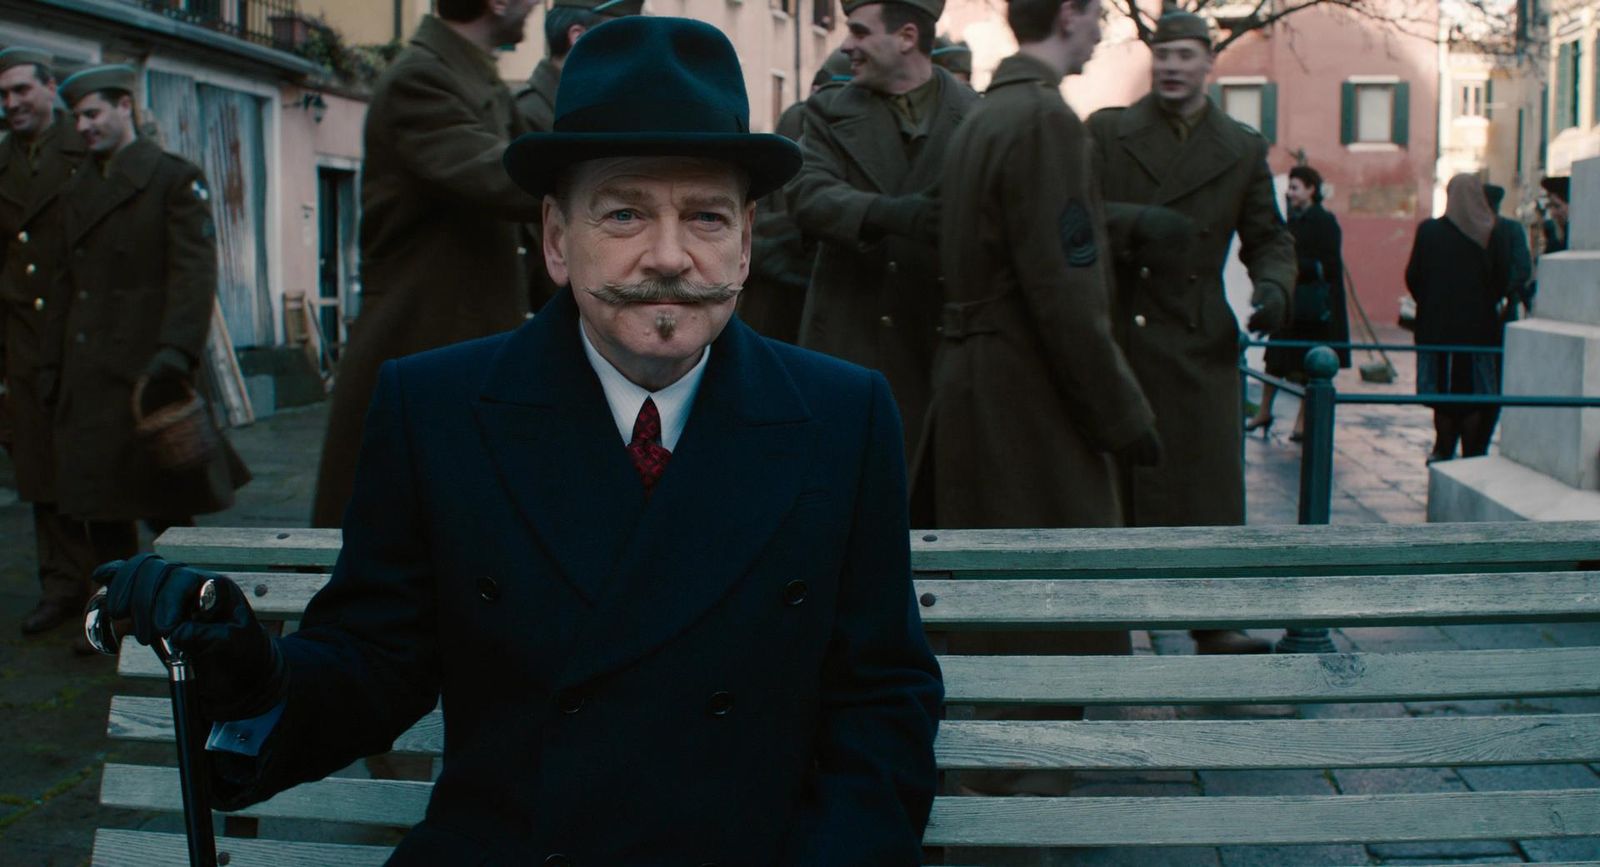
(642, 86)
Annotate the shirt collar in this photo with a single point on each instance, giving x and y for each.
(625, 398)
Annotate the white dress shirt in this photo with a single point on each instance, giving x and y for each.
(625, 398)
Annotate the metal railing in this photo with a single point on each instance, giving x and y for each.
(271, 23)
(1321, 405)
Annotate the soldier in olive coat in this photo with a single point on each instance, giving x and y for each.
(1032, 395)
(37, 157)
(1173, 148)
(441, 258)
(141, 282)
(869, 192)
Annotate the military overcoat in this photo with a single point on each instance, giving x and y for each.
(1179, 333)
(536, 101)
(1031, 390)
(441, 255)
(30, 254)
(875, 303)
(140, 274)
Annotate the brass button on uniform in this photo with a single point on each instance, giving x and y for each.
(886, 321)
(31, 269)
(1144, 273)
(488, 589)
(892, 267)
(81, 337)
(1194, 278)
(794, 593)
(720, 703)
(83, 295)
(23, 236)
(521, 250)
(38, 304)
(1139, 320)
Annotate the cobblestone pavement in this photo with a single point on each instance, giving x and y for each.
(53, 704)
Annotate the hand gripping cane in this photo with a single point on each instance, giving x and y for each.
(187, 724)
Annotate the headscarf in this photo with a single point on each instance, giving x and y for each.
(1468, 208)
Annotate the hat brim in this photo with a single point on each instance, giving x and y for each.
(536, 160)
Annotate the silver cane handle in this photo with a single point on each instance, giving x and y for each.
(100, 629)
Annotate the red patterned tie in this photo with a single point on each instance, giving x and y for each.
(649, 455)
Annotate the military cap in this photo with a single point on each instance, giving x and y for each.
(614, 8)
(1558, 186)
(934, 8)
(1176, 25)
(97, 78)
(16, 55)
(835, 70)
(954, 56)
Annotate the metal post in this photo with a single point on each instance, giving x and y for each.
(1316, 475)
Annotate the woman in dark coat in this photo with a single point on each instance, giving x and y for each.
(1459, 273)
(1317, 245)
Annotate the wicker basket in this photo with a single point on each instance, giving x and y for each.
(178, 435)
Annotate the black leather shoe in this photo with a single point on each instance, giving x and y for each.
(1209, 641)
(49, 614)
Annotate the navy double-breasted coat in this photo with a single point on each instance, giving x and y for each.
(732, 672)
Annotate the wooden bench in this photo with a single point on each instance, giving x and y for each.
(1238, 577)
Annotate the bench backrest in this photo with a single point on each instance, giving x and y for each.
(1233, 577)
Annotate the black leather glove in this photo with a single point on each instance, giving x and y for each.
(1272, 309)
(1142, 452)
(915, 217)
(239, 672)
(169, 362)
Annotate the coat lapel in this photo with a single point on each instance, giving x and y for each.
(130, 172)
(866, 130)
(545, 422)
(67, 151)
(1205, 155)
(1146, 140)
(736, 472)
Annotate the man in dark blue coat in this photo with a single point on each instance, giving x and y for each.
(656, 566)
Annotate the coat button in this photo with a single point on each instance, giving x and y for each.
(521, 250)
(1144, 273)
(38, 304)
(83, 295)
(569, 701)
(720, 703)
(558, 860)
(886, 321)
(892, 267)
(31, 270)
(1194, 278)
(80, 337)
(794, 593)
(488, 589)
(23, 236)
(1139, 320)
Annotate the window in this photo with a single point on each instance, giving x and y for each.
(1471, 99)
(822, 14)
(1376, 111)
(779, 100)
(1564, 106)
(1252, 102)
(784, 6)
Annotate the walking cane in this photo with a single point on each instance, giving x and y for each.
(186, 723)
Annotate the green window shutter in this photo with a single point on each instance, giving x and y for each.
(1488, 99)
(1561, 102)
(1269, 112)
(1401, 133)
(1347, 113)
(1576, 78)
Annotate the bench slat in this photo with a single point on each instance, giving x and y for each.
(1234, 603)
(394, 803)
(1285, 820)
(118, 848)
(1267, 679)
(1151, 745)
(1365, 547)
(1099, 603)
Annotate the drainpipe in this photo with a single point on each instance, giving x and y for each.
(399, 16)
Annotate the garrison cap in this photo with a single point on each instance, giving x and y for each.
(835, 70)
(614, 8)
(934, 8)
(17, 55)
(1176, 25)
(954, 56)
(97, 78)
